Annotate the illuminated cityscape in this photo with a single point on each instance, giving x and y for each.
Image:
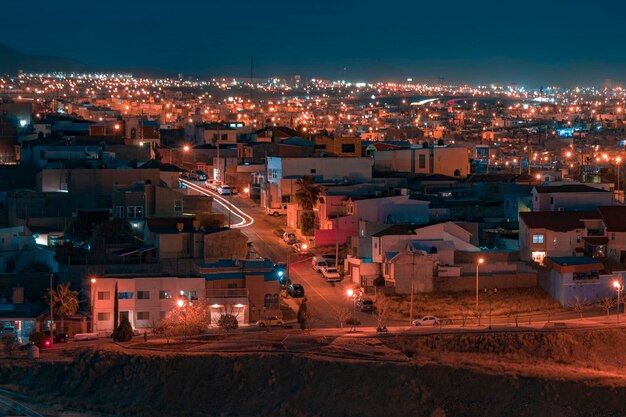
(369, 215)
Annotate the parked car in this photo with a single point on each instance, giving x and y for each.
(295, 290)
(9, 332)
(57, 337)
(224, 189)
(330, 259)
(277, 211)
(365, 304)
(42, 344)
(184, 176)
(301, 248)
(199, 175)
(285, 282)
(427, 321)
(318, 263)
(212, 184)
(271, 321)
(331, 274)
(289, 237)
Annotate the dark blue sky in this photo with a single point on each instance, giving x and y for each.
(531, 42)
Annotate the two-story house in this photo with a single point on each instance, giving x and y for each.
(569, 197)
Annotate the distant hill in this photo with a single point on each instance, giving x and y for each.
(12, 61)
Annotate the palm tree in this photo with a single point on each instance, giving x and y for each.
(307, 195)
(308, 192)
(64, 301)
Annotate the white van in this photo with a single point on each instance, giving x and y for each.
(213, 184)
(224, 189)
(318, 263)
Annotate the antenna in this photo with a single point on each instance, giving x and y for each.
(251, 77)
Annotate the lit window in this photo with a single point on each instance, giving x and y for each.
(537, 238)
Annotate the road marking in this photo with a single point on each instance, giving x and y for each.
(246, 219)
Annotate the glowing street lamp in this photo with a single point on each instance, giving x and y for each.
(93, 307)
(618, 160)
(186, 148)
(479, 262)
(619, 288)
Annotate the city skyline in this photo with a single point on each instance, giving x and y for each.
(537, 45)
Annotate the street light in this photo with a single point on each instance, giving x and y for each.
(618, 160)
(181, 305)
(619, 288)
(350, 292)
(478, 263)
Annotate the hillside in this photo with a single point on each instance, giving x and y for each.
(12, 60)
(463, 375)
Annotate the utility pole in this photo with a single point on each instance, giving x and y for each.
(337, 235)
(51, 313)
(412, 288)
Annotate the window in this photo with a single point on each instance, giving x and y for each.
(178, 206)
(551, 200)
(577, 238)
(163, 295)
(125, 295)
(162, 314)
(143, 295)
(285, 199)
(119, 211)
(422, 161)
(104, 295)
(143, 315)
(537, 238)
(313, 171)
(320, 147)
(135, 212)
(347, 147)
(224, 136)
(104, 316)
(612, 236)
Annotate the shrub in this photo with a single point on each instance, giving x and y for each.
(353, 321)
(9, 345)
(124, 333)
(228, 322)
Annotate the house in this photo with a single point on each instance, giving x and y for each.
(144, 300)
(569, 197)
(282, 174)
(556, 234)
(337, 145)
(248, 288)
(448, 160)
(578, 279)
(184, 238)
(614, 225)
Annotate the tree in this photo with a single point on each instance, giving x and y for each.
(78, 230)
(343, 313)
(607, 303)
(64, 301)
(228, 322)
(9, 345)
(382, 309)
(124, 333)
(479, 313)
(515, 314)
(194, 318)
(307, 195)
(578, 306)
(304, 315)
(113, 231)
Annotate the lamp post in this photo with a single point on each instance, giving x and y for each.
(181, 305)
(92, 289)
(619, 288)
(51, 313)
(618, 160)
(490, 293)
(352, 295)
(478, 263)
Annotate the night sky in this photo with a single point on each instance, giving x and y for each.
(532, 42)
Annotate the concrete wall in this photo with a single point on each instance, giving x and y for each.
(468, 282)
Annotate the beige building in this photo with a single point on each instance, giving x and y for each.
(446, 160)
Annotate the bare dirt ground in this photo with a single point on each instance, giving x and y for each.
(528, 373)
(451, 304)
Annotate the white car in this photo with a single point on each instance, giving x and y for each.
(331, 274)
(212, 184)
(301, 248)
(289, 237)
(319, 263)
(224, 189)
(427, 321)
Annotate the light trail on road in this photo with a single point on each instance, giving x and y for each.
(246, 219)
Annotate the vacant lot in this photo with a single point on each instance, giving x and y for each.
(455, 304)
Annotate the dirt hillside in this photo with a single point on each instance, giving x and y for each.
(493, 375)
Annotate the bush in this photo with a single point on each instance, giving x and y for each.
(37, 337)
(379, 282)
(9, 346)
(124, 333)
(228, 322)
(353, 321)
